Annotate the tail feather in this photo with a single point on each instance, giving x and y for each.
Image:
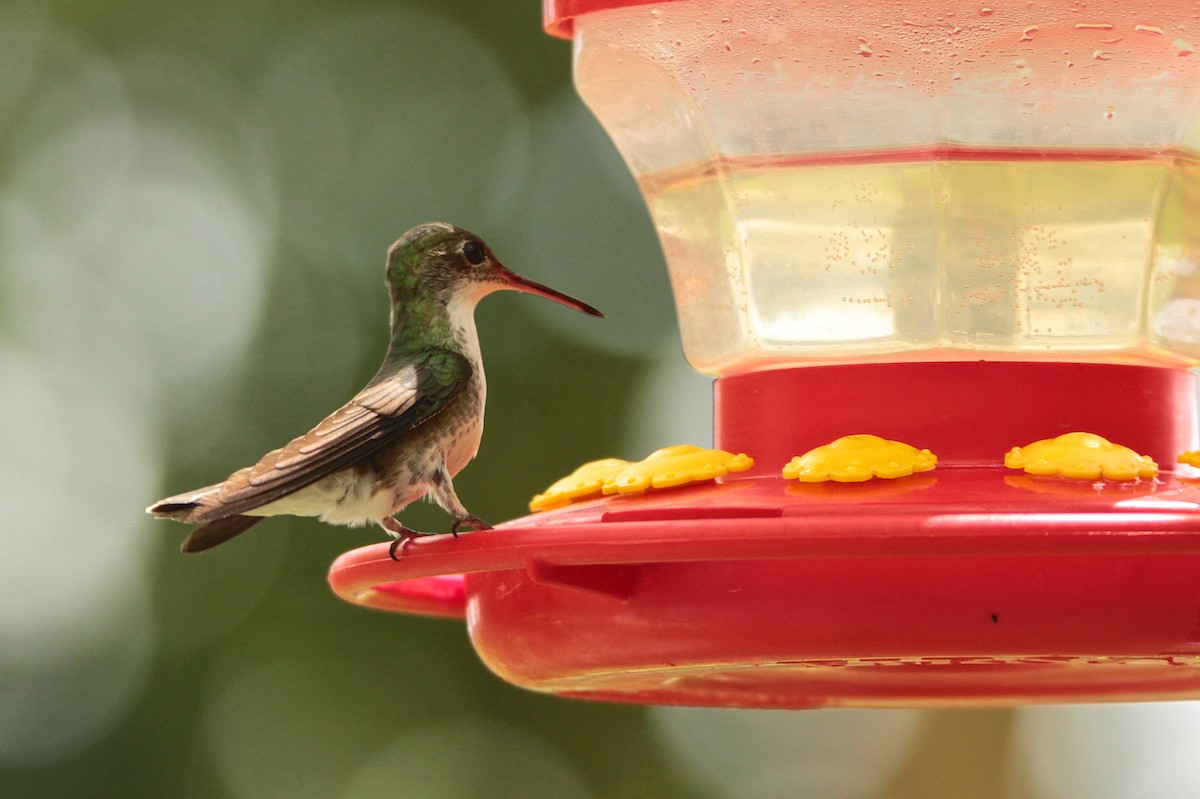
(169, 510)
(184, 507)
(199, 506)
(207, 536)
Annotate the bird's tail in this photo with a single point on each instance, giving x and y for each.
(207, 536)
(194, 506)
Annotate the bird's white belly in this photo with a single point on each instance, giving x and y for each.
(341, 498)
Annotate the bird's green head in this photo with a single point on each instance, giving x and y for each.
(437, 262)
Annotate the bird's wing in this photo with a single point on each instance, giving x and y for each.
(391, 405)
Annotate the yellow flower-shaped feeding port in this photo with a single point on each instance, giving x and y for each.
(1190, 458)
(664, 468)
(857, 458)
(1083, 456)
(675, 466)
(585, 482)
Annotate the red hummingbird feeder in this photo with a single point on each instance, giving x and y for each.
(966, 227)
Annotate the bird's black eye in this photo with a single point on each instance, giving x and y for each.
(474, 252)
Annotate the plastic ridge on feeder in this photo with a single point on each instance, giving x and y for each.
(1082, 456)
(858, 458)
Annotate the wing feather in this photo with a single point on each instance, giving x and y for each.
(390, 406)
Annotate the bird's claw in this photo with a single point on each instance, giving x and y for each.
(401, 540)
(471, 522)
(399, 533)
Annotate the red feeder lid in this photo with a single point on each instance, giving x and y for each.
(558, 16)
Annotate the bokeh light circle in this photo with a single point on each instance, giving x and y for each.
(1123, 751)
(465, 758)
(825, 754)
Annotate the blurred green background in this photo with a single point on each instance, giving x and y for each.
(195, 202)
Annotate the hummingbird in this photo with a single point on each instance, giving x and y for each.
(405, 436)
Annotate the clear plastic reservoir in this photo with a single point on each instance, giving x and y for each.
(855, 181)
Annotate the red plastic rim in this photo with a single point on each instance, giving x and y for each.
(959, 512)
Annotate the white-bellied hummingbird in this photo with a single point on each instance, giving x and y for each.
(408, 433)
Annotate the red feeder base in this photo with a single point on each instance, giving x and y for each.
(968, 585)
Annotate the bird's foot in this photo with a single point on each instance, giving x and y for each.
(399, 533)
(471, 522)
